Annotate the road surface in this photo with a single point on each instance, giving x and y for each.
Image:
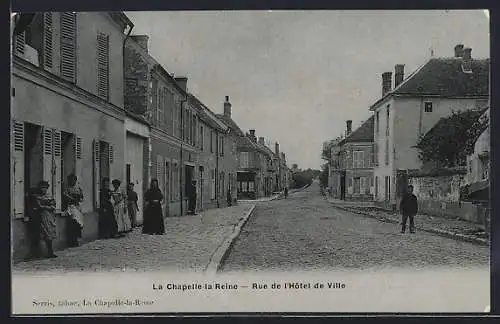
(305, 232)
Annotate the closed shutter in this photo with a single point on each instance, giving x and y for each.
(19, 44)
(56, 169)
(47, 40)
(96, 172)
(103, 66)
(68, 46)
(18, 169)
(158, 167)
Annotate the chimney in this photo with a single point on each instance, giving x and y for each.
(467, 53)
(399, 74)
(277, 148)
(182, 82)
(252, 135)
(386, 82)
(141, 40)
(261, 141)
(227, 107)
(459, 50)
(348, 130)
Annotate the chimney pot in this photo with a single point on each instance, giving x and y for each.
(399, 74)
(277, 148)
(386, 82)
(227, 107)
(348, 127)
(467, 53)
(459, 50)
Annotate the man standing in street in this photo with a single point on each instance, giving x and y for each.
(409, 208)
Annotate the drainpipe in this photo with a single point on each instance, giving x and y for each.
(217, 184)
(182, 155)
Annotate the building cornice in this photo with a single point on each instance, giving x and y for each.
(160, 134)
(49, 81)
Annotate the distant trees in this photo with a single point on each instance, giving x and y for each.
(302, 178)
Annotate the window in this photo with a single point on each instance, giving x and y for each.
(357, 185)
(251, 186)
(428, 107)
(365, 186)
(244, 160)
(211, 141)
(103, 66)
(387, 151)
(68, 46)
(376, 187)
(202, 139)
(221, 146)
(377, 122)
(387, 122)
(213, 191)
(358, 159)
(387, 188)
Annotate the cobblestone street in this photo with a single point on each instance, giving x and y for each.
(305, 232)
(189, 243)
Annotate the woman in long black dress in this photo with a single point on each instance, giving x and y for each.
(107, 222)
(153, 216)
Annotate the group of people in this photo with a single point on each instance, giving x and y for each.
(118, 212)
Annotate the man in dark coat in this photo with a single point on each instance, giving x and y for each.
(409, 208)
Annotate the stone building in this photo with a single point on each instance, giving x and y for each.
(413, 106)
(352, 164)
(154, 94)
(67, 112)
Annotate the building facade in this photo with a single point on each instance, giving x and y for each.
(414, 106)
(351, 165)
(67, 112)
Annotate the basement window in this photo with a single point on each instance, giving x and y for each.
(428, 107)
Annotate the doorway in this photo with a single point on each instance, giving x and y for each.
(342, 185)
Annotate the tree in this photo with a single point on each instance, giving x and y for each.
(323, 177)
(445, 144)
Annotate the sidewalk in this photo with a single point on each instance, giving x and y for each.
(452, 228)
(250, 201)
(191, 243)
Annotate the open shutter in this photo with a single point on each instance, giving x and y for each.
(96, 172)
(47, 164)
(103, 66)
(19, 44)
(77, 148)
(68, 46)
(18, 166)
(56, 169)
(47, 40)
(111, 159)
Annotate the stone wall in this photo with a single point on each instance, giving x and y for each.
(440, 196)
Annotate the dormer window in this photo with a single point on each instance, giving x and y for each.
(428, 107)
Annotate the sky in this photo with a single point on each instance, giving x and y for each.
(297, 76)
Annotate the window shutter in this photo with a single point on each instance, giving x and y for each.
(47, 39)
(20, 42)
(47, 138)
(56, 169)
(111, 154)
(96, 173)
(18, 169)
(77, 149)
(68, 46)
(103, 66)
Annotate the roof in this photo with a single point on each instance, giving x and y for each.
(231, 124)
(445, 77)
(206, 114)
(363, 133)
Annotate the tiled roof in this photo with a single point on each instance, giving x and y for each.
(363, 133)
(445, 77)
(231, 124)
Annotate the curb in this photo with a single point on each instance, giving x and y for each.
(223, 250)
(448, 234)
